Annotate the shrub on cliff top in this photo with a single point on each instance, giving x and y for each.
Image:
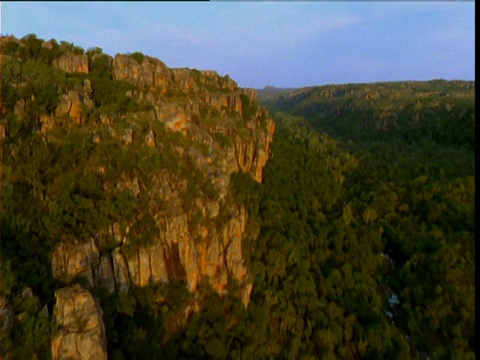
(138, 57)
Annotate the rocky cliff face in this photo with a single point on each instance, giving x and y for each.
(210, 111)
(181, 251)
(201, 126)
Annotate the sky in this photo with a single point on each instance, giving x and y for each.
(282, 44)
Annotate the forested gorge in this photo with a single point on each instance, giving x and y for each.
(359, 255)
(380, 232)
(367, 231)
(360, 241)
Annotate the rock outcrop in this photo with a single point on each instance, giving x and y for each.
(150, 72)
(81, 332)
(74, 259)
(72, 63)
(177, 253)
(71, 104)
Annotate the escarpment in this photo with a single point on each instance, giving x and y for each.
(132, 169)
(196, 238)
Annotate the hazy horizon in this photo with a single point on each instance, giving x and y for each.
(282, 44)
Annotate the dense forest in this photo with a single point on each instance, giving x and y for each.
(361, 237)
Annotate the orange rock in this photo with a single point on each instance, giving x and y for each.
(81, 332)
(72, 63)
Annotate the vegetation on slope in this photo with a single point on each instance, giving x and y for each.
(365, 223)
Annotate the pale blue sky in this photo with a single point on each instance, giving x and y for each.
(284, 44)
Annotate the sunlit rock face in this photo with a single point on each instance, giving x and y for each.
(72, 63)
(150, 72)
(180, 251)
(200, 239)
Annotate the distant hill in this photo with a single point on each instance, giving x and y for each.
(442, 110)
(270, 92)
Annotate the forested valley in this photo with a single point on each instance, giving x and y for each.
(360, 241)
(367, 230)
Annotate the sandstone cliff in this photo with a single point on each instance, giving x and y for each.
(212, 114)
(197, 127)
